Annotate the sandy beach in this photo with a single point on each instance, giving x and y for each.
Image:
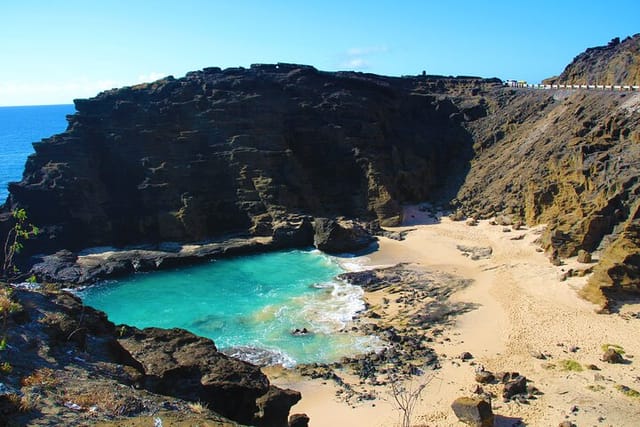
(527, 317)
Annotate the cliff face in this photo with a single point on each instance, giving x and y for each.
(247, 150)
(569, 159)
(617, 63)
(240, 150)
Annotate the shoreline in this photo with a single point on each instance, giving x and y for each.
(523, 308)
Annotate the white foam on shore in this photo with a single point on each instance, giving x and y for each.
(260, 356)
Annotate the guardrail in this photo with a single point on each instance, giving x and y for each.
(525, 85)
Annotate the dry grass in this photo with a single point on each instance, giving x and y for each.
(43, 377)
(198, 407)
(104, 399)
(24, 403)
(570, 365)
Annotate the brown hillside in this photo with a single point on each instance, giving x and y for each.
(617, 63)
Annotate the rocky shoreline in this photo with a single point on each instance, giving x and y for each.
(88, 266)
(70, 365)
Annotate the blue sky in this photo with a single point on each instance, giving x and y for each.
(53, 51)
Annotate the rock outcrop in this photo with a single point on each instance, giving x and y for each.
(339, 236)
(241, 150)
(175, 362)
(62, 352)
(617, 63)
(569, 159)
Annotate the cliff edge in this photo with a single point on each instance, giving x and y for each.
(617, 63)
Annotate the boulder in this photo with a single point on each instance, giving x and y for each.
(178, 363)
(473, 411)
(293, 232)
(299, 420)
(485, 377)
(584, 256)
(612, 356)
(340, 235)
(517, 385)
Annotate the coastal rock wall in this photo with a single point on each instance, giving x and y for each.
(239, 150)
(261, 152)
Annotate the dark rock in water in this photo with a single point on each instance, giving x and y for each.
(299, 420)
(473, 411)
(179, 363)
(105, 263)
(340, 236)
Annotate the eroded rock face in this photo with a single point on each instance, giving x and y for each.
(263, 152)
(617, 63)
(240, 150)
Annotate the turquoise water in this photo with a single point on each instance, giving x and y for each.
(248, 305)
(21, 126)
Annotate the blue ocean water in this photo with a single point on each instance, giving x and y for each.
(248, 305)
(21, 126)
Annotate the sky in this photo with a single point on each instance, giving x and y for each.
(53, 51)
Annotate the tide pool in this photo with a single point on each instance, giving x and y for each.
(248, 305)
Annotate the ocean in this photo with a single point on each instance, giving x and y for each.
(248, 305)
(19, 128)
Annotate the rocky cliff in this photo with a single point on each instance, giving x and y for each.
(262, 152)
(617, 63)
(242, 150)
(569, 159)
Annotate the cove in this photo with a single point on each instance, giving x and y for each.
(248, 305)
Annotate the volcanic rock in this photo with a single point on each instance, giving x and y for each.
(617, 63)
(473, 411)
(340, 236)
(179, 363)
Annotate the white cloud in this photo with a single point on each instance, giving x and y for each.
(356, 63)
(359, 58)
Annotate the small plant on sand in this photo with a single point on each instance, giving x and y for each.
(627, 391)
(405, 395)
(615, 347)
(570, 365)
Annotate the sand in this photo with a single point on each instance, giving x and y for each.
(524, 305)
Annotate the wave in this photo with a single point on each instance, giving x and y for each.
(260, 356)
